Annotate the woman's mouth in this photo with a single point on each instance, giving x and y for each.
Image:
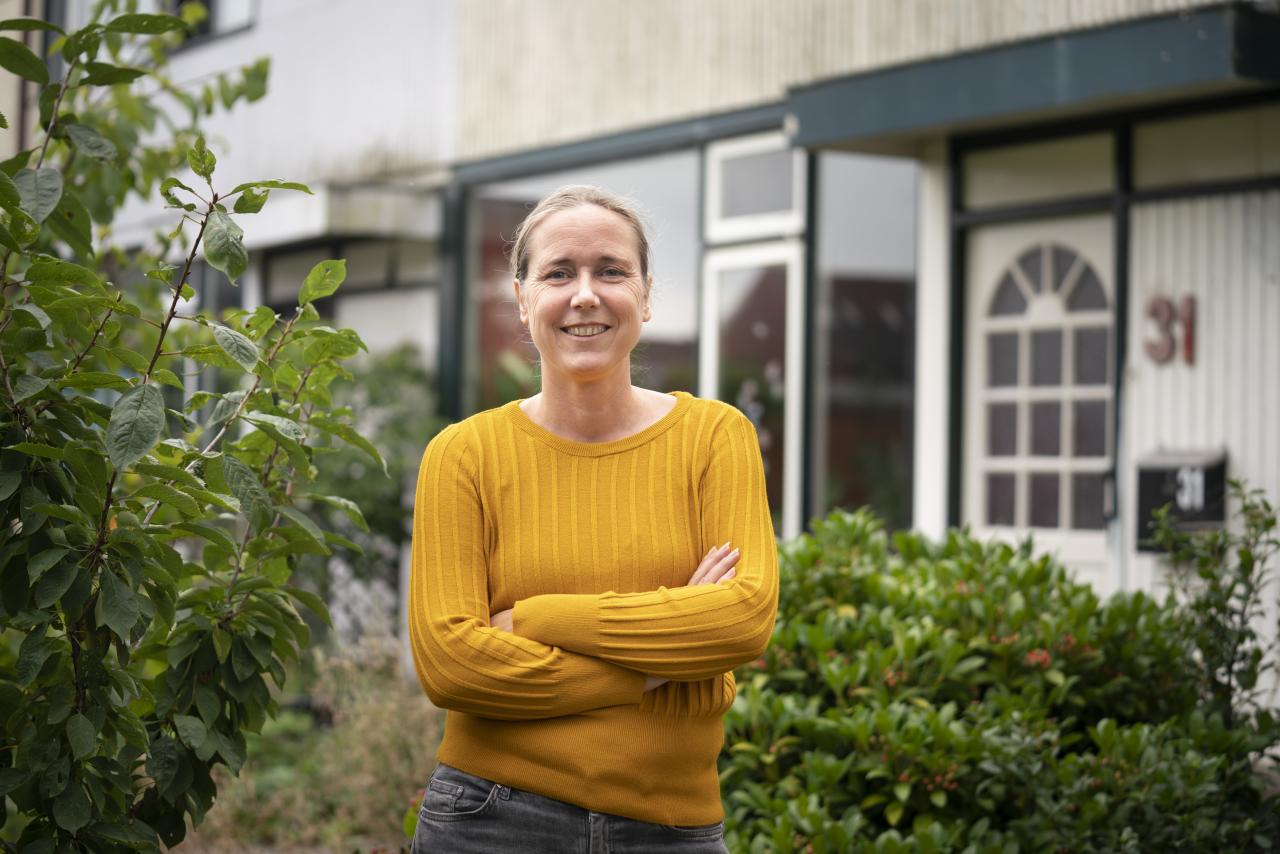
(586, 330)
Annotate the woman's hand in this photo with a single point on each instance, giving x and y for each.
(502, 620)
(719, 565)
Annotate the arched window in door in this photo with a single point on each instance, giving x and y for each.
(1047, 393)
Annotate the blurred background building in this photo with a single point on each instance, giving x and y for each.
(984, 262)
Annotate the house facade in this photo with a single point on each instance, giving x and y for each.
(993, 263)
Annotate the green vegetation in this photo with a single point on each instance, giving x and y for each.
(150, 535)
(968, 696)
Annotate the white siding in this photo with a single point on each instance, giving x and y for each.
(539, 72)
(1224, 251)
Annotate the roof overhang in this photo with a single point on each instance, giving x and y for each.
(1141, 62)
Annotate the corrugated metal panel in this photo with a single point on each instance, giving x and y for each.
(540, 72)
(1223, 251)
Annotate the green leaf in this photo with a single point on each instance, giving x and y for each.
(1055, 676)
(10, 198)
(237, 345)
(40, 190)
(54, 583)
(10, 779)
(148, 25)
(346, 505)
(35, 449)
(38, 565)
(117, 607)
(71, 809)
(4, 122)
(29, 25)
(82, 735)
(9, 483)
(272, 185)
(902, 791)
(312, 602)
(173, 473)
(163, 762)
(105, 74)
(231, 747)
(938, 798)
(33, 653)
(893, 813)
(304, 522)
(89, 142)
(349, 435)
(323, 280)
(209, 705)
(164, 376)
(251, 201)
(167, 186)
(71, 223)
(18, 58)
(221, 644)
(168, 496)
(201, 159)
(224, 246)
(211, 533)
(55, 271)
(244, 485)
(35, 311)
(93, 380)
(137, 422)
(286, 427)
(191, 730)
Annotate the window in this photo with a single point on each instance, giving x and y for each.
(755, 188)
(861, 424)
(1045, 395)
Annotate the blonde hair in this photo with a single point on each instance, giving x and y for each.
(571, 196)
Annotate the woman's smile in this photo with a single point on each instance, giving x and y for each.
(590, 330)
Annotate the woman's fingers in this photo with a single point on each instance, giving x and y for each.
(716, 566)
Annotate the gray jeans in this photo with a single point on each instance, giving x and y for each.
(466, 814)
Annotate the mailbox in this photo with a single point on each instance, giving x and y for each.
(1194, 483)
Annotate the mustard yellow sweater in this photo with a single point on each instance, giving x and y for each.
(593, 544)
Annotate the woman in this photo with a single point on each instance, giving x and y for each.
(589, 564)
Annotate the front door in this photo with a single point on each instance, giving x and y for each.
(1039, 387)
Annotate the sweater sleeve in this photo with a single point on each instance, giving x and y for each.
(463, 663)
(685, 633)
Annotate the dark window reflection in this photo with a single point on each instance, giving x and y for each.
(753, 313)
(863, 407)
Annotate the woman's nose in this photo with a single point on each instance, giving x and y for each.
(584, 294)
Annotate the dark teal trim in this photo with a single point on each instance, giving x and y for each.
(1148, 58)
(620, 146)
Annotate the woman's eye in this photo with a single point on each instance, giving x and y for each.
(556, 275)
(613, 272)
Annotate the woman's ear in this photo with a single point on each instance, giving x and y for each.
(646, 309)
(524, 313)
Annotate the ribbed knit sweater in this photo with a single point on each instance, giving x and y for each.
(593, 545)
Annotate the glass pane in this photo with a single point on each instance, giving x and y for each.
(1008, 298)
(1086, 501)
(1002, 429)
(1046, 429)
(1087, 295)
(757, 184)
(1063, 258)
(1046, 357)
(1044, 501)
(286, 272)
(1030, 262)
(752, 308)
(1002, 359)
(1090, 429)
(863, 344)
(1000, 493)
(231, 14)
(1091, 356)
(368, 265)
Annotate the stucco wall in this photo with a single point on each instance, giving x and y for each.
(540, 72)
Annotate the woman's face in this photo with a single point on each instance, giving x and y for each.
(584, 298)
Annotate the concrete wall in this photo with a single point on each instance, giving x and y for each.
(540, 72)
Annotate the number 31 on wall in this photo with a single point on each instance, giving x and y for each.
(1166, 316)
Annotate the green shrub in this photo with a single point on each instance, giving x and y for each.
(969, 696)
(340, 786)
